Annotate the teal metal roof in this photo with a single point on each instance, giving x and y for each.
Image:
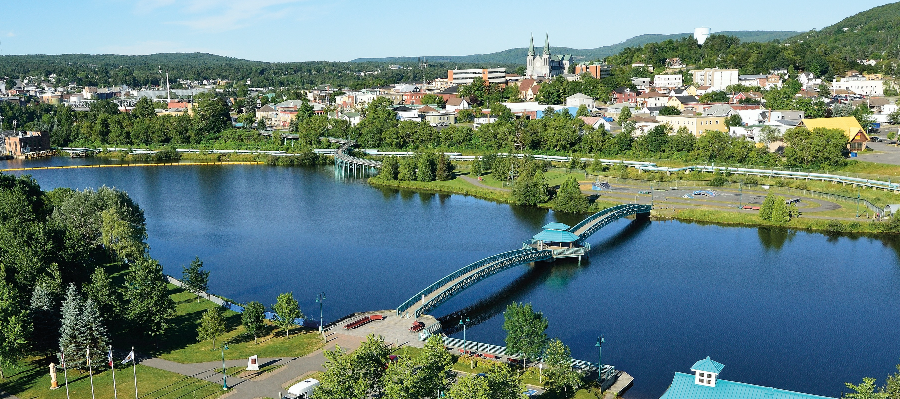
(556, 226)
(556, 236)
(683, 387)
(708, 365)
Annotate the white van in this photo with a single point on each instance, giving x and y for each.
(303, 389)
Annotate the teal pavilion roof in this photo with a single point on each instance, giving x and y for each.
(556, 236)
(708, 365)
(683, 387)
(556, 226)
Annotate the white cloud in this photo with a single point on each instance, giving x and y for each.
(11, 34)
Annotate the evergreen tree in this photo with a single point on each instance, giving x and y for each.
(444, 169)
(44, 319)
(569, 197)
(100, 290)
(407, 169)
(426, 167)
(14, 328)
(94, 332)
(70, 343)
(389, 168)
(253, 318)
(476, 167)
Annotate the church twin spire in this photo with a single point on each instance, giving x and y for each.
(546, 46)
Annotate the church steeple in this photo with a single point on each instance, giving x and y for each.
(531, 48)
(547, 44)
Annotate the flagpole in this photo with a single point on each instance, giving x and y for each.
(90, 372)
(62, 355)
(134, 369)
(113, 367)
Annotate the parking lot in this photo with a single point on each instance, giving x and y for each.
(882, 153)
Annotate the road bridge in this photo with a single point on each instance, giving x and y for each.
(454, 283)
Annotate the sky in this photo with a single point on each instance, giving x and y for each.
(341, 30)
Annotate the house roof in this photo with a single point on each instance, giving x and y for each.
(426, 109)
(846, 124)
(555, 236)
(684, 387)
(708, 365)
(454, 101)
(687, 99)
(266, 108)
(580, 96)
(590, 120)
(556, 226)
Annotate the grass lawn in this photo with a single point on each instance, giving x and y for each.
(29, 380)
(181, 343)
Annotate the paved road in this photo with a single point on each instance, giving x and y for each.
(252, 386)
(886, 153)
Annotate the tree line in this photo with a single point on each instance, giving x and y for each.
(75, 273)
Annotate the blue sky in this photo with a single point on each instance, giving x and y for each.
(341, 30)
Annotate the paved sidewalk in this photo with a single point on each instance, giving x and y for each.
(268, 384)
(4, 395)
(477, 183)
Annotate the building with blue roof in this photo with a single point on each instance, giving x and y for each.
(704, 384)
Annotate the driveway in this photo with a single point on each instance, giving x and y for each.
(886, 153)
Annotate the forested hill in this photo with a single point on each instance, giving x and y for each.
(871, 34)
(517, 55)
(143, 70)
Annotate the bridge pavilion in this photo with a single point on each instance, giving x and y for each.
(554, 236)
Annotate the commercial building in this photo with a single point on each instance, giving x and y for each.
(466, 76)
(705, 384)
(694, 124)
(859, 85)
(19, 144)
(598, 71)
(717, 79)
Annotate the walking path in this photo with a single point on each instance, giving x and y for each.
(252, 385)
(4, 395)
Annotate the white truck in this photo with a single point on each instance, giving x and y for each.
(303, 389)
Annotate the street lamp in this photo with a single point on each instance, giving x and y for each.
(599, 346)
(463, 324)
(224, 370)
(320, 299)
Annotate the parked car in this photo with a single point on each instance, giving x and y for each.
(874, 139)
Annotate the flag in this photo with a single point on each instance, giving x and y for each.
(62, 359)
(129, 358)
(110, 357)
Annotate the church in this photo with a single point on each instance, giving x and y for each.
(545, 66)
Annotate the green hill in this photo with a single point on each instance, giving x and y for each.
(517, 55)
(871, 34)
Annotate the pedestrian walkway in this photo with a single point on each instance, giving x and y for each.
(4, 395)
(267, 384)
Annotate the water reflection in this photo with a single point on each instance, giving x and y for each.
(773, 238)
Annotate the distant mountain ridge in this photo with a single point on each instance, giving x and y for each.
(517, 55)
(871, 34)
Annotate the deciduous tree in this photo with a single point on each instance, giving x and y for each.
(194, 278)
(212, 325)
(286, 312)
(525, 331)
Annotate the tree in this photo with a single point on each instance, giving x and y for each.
(819, 147)
(865, 390)
(770, 134)
(477, 169)
(101, 291)
(212, 325)
(863, 115)
(471, 387)
(559, 374)
(14, 330)
(582, 111)
(253, 318)
(734, 120)
(194, 278)
(389, 168)
(211, 117)
(669, 110)
(355, 375)
(81, 330)
(714, 97)
(525, 331)
(426, 167)
(287, 311)
(143, 109)
(775, 210)
(530, 188)
(407, 169)
(444, 168)
(500, 382)
(569, 198)
(44, 311)
(434, 99)
(148, 307)
(624, 116)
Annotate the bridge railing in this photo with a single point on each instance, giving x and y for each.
(455, 275)
(626, 208)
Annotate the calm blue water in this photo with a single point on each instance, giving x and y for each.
(797, 311)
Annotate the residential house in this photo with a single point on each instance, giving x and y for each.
(752, 96)
(623, 95)
(597, 122)
(578, 99)
(856, 136)
(641, 83)
(528, 89)
(706, 384)
(723, 110)
(681, 102)
(694, 124)
(652, 99)
(454, 104)
(267, 114)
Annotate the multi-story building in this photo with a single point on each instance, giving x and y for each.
(598, 71)
(717, 79)
(668, 81)
(18, 144)
(859, 85)
(545, 66)
(466, 76)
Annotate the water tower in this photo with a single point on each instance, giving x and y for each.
(701, 34)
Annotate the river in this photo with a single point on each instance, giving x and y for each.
(794, 310)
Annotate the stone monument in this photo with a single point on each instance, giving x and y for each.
(53, 383)
(253, 363)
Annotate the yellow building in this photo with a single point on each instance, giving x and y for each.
(856, 136)
(694, 124)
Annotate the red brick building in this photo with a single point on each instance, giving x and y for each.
(21, 143)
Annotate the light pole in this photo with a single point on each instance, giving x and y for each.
(320, 298)
(599, 346)
(463, 324)
(224, 370)
(742, 196)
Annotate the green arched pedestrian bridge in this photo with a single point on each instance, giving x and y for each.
(454, 283)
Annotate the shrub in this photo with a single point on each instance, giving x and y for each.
(718, 181)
